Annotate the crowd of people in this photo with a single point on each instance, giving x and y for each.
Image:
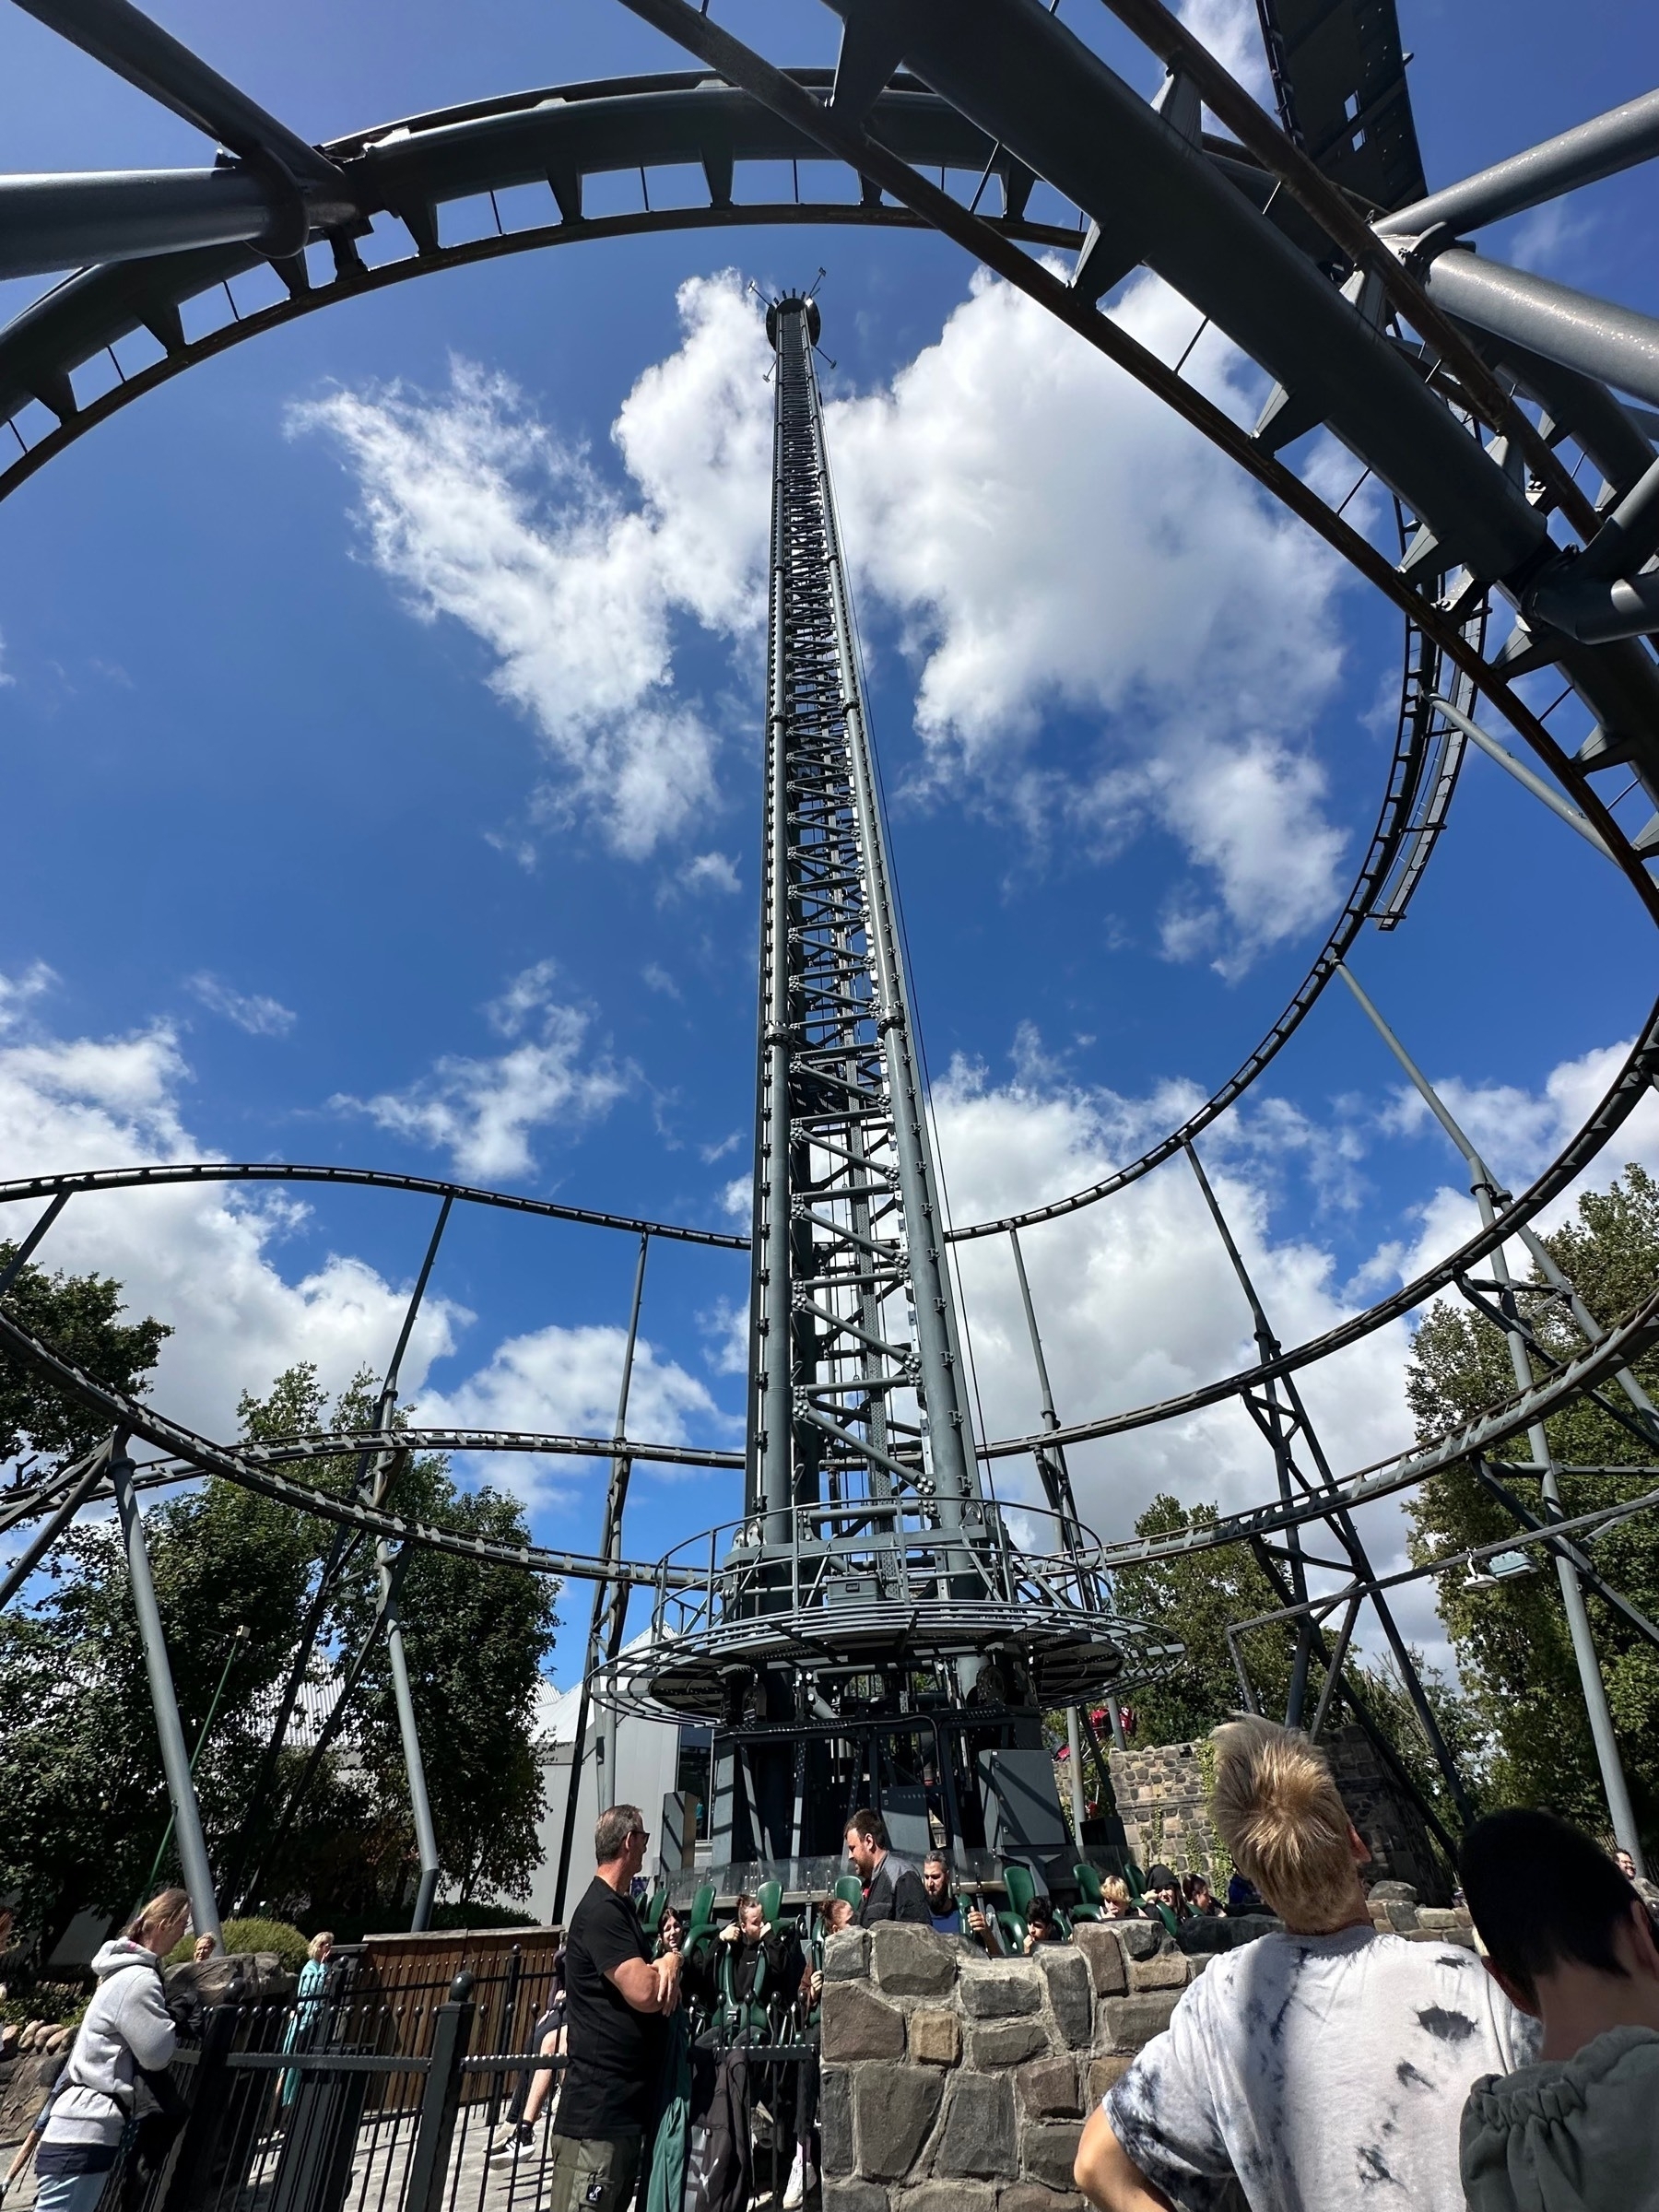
(1331, 2062)
(1325, 2063)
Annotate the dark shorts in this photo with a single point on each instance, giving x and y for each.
(594, 2175)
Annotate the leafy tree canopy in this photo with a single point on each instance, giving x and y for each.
(1512, 1647)
(76, 1315)
(80, 1771)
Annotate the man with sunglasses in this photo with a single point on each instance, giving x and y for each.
(616, 1998)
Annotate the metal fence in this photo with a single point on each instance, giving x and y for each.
(376, 2098)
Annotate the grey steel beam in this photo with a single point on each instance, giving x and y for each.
(1596, 336)
(175, 1755)
(1594, 613)
(1601, 148)
(123, 39)
(35, 1550)
(1031, 84)
(67, 222)
(1528, 778)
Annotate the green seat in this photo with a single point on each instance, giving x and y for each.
(851, 1888)
(699, 1928)
(1021, 1890)
(652, 1909)
(1091, 1902)
(1168, 1917)
(769, 1898)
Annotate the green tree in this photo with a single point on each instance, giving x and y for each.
(81, 1773)
(76, 1315)
(474, 1636)
(1192, 1600)
(1513, 1651)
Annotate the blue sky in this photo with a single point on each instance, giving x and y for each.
(381, 733)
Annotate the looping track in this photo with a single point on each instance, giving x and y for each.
(1432, 436)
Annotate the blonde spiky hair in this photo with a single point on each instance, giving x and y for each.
(1280, 1814)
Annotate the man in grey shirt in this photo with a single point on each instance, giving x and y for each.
(1319, 2067)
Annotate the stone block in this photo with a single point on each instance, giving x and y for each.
(853, 2197)
(1392, 1893)
(948, 2196)
(1402, 1917)
(1097, 1943)
(858, 2025)
(1049, 2151)
(1048, 2089)
(895, 2108)
(847, 1956)
(1106, 2072)
(1068, 1974)
(911, 1962)
(1128, 2022)
(995, 1991)
(1007, 2044)
(1441, 1916)
(935, 2037)
(835, 2120)
(978, 2135)
(1164, 1969)
(1140, 1939)
(1032, 2197)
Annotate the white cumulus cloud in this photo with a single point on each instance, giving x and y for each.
(480, 512)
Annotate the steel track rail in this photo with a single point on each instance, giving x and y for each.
(134, 1418)
(1639, 1074)
(171, 1173)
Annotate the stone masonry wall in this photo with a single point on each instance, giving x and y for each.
(1161, 1800)
(957, 2083)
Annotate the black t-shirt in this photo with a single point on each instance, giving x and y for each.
(616, 2052)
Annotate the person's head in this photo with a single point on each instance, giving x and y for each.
(1626, 1864)
(1040, 1919)
(1197, 1892)
(671, 1929)
(1552, 1911)
(1287, 1829)
(1162, 1885)
(320, 1944)
(163, 1922)
(619, 1839)
(1114, 1897)
(838, 1915)
(936, 1880)
(752, 1919)
(866, 1842)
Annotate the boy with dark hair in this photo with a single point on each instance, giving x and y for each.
(1570, 1941)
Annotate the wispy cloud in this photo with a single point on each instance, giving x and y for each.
(484, 1111)
(259, 1016)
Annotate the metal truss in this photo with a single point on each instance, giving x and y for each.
(854, 1359)
(1464, 389)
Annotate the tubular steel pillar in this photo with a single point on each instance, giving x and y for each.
(607, 1623)
(1271, 1416)
(175, 1758)
(857, 1390)
(1282, 1416)
(1487, 1192)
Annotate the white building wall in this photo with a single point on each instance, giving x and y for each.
(647, 1768)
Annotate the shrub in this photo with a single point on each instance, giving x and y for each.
(276, 1936)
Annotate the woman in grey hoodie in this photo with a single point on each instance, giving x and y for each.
(125, 2027)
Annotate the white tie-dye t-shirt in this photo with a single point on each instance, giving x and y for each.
(1322, 2071)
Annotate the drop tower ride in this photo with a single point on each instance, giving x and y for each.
(869, 1631)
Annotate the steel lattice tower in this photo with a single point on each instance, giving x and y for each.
(855, 1363)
